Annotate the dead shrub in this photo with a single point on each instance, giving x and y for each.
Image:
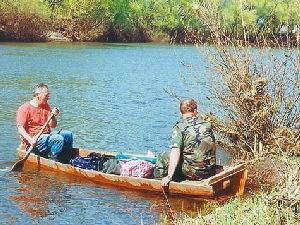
(258, 90)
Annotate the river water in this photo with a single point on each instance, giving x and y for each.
(116, 97)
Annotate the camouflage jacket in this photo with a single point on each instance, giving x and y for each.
(195, 139)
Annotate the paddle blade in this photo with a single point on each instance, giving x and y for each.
(18, 166)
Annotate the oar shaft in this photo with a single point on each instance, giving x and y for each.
(44, 126)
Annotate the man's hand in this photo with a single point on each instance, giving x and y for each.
(165, 181)
(32, 141)
(55, 111)
(174, 160)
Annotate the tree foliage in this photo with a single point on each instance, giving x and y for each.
(169, 16)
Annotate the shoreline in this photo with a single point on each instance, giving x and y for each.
(54, 36)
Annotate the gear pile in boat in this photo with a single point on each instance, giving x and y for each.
(121, 164)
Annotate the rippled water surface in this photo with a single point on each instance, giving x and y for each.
(112, 97)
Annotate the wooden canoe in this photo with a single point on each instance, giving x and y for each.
(228, 182)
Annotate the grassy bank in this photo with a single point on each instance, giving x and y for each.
(254, 210)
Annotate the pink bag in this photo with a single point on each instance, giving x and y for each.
(136, 168)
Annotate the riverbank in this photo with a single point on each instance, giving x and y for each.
(96, 33)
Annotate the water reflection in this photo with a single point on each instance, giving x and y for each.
(35, 193)
(45, 194)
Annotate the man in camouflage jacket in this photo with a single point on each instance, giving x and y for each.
(192, 153)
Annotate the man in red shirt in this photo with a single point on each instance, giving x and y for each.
(32, 115)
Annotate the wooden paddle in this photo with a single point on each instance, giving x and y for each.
(18, 166)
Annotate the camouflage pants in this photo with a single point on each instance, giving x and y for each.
(183, 171)
(197, 172)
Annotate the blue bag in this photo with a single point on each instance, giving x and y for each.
(90, 163)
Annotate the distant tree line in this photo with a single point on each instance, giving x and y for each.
(143, 20)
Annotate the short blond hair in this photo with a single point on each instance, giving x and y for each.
(188, 106)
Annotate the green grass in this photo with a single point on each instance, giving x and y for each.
(255, 210)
